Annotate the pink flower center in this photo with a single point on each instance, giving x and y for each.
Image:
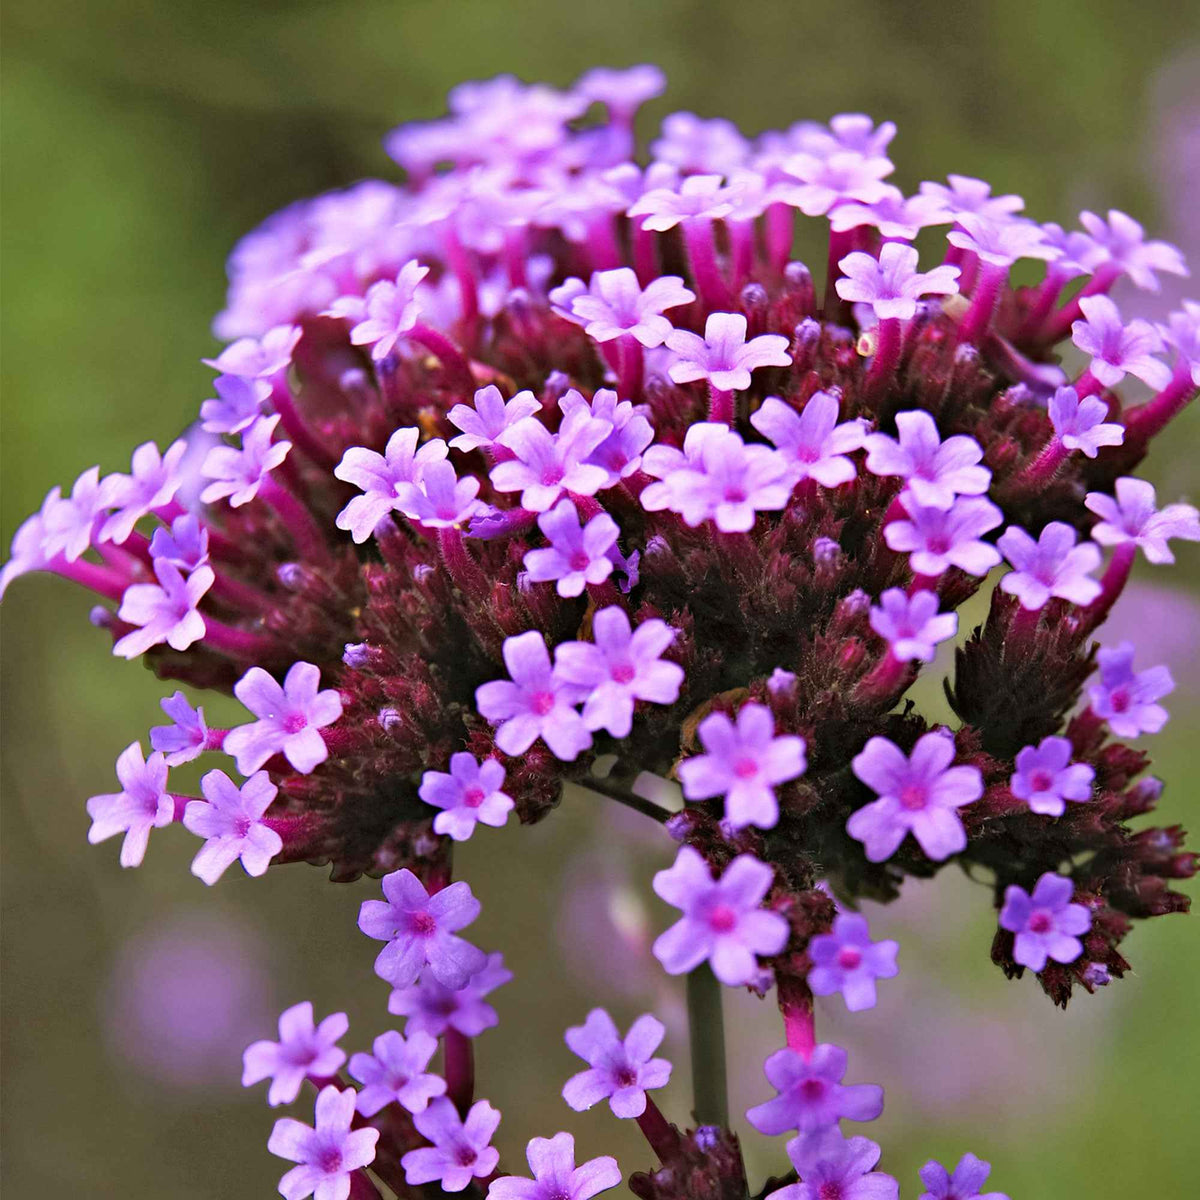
(623, 673)
(1119, 699)
(625, 1077)
(939, 543)
(722, 918)
(1041, 781)
(580, 560)
(745, 768)
(813, 1090)
(541, 702)
(1041, 922)
(423, 924)
(294, 722)
(849, 957)
(330, 1161)
(242, 826)
(465, 1156)
(912, 797)
(473, 797)
(735, 495)
(830, 1191)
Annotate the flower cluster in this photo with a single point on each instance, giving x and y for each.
(549, 458)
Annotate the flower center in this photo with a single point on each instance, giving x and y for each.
(939, 543)
(330, 1161)
(735, 495)
(625, 1077)
(623, 673)
(1119, 699)
(473, 797)
(423, 924)
(830, 1191)
(745, 768)
(541, 702)
(722, 918)
(849, 957)
(465, 1156)
(1041, 922)
(813, 1090)
(242, 826)
(294, 722)
(580, 560)
(912, 797)
(1041, 781)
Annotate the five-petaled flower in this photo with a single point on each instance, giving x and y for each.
(555, 1175)
(812, 441)
(833, 1167)
(1128, 699)
(432, 1008)
(723, 356)
(1133, 516)
(304, 1049)
(326, 1153)
(461, 1149)
(578, 555)
(891, 283)
(935, 471)
(1046, 778)
(395, 1073)
(963, 1183)
(811, 1093)
(1045, 922)
(469, 794)
(142, 804)
(620, 1070)
(912, 625)
(230, 819)
(615, 305)
(847, 961)
(1051, 566)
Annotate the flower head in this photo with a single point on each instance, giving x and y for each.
(697, 198)
(461, 1149)
(937, 539)
(615, 305)
(894, 215)
(389, 310)
(238, 405)
(165, 611)
(812, 441)
(469, 794)
(912, 625)
(961, 1184)
(491, 415)
(152, 483)
(839, 174)
(1046, 778)
(1127, 699)
(967, 195)
(1052, 566)
(1080, 424)
(239, 473)
(1119, 349)
(1120, 242)
(258, 358)
(1046, 923)
(620, 1070)
(1000, 242)
(303, 1049)
(441, 500)
(891, 284)
(184, 544)
(380, 476)
(142, 804)
(555, 1175)
(1182, 331)
(395, 1073)
(833, 1166)
(935, 471)
(847, 961)
(723, 356)
(577, 555)
(187, 735)
(811, 1093)
(230, 819)
(328, 1152)
(547, 464)
(1133, 516)
(723, 920)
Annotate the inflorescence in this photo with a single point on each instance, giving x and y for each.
(547, 460)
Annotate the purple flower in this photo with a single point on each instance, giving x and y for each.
(620, 454)
(290, 719)
(548, 464)
(894, 215)
(1046, 778)
(419, 929)
(697, 198)
(811, 1093)
(837, 175)
(1118, 349)
(328, 1153)
(621, 1071)
(577, 556)
(967, 195)
(239, 473)
(186, 737)
(935, 471)
(380, 476)
(722, 355)
(1121, 243)
(389, 310)
(891, 284)
(622, 666)
(999, 242)
(716, 477)
(239, 404)
(395, 1073)
(920, 793)
(723, 921)
(258, 358)
(184, 545)
(163, 611)
(832, 1167)
(1134, 517)
(969, 1176)
(432, 1008)
(694, 143)
(743, 763)
(152, 483)
(461, 1149)
(539, 702)
(28, 549)
(814, 444)
(937, 539)
(441, 500)
(302, 1050)
(614, 305)
(912, 625)
(623, 91)
(142, 804)
(1052, 566)
(847, 961)
(1046, 923)
(1182, 331)
(1080, 424)
(232, 824)
(482, 425)
(555, 1175)
(469, 794)
(1126, 698)
(69, 521)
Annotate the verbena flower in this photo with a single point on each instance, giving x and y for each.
(304, 1049)
(811, 1093)
(847, 961)
(1046, 777)
(394, 1073)
(555, 1175)
(327, 1152)
(1046, 923)
(963, 1183)
(461, 1149)
(621, 1070)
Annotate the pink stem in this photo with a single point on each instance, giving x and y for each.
(983, 304)
(297, 428)
(242, 595)
(1059, 325)
(461, 567)
(361, 1187)
(883, 681)
(720, 405)
(1112, 583)
(515, 256)
(658, 1131)
(741, 240)
(1087, 385)
(104, 581)
(702, 259)
(300, 524)
(602, 245)
(238, 643)
(796, 1004)
(887, 353)
(169, 511)
(1156, 414)
(629, 373)
(780, 233)
(1044, 300)
(1042, 469)
(460, 263)
(459, 1058)
(452, 358)
(645, 254)
(840, 244)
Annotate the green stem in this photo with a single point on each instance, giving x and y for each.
(706, 1033)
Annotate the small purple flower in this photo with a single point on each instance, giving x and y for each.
(239, 472)
(937, 539)
(432, 1008)
(302, 1050)
(469, 794)
(967, 195)
(420, 928)
(1080, 424)
(1134, 517)
(912, 625)
(964, 1184)
(232, 823)
(142, 804)
(380, 476)
(847, 961)
(723, 356)
(290, 718)
(1126, 698)
(1046, 778)
(812, 441)
(153, 481)
(328, 1153)
(548, 464)
(1046, 923)
(832, 1167)
(69, 521)
(894, 215)
(555, 1175)
(184, 545)
(1052, 566)
(620, 454)
(621, 1071)
(164, 611)
(28, 549)
(920, 793)
(539, 702)
(1118, 349)
(186, 737)
(935, 471)
(258, 358)
(743, 763)
(615, 305)
(1121, 243)
(1000, 242)
(395, 1073)
(694, 143)
(577, 555)
(623, 91)
(1182, 331)
(811, 1093)
(483, 424)
(697, 198)
(891, 284)
(389, 310)
(621, 667)
(239, 403)
(723, 920)
(461, 1149)
(835, 176)
(441, 500)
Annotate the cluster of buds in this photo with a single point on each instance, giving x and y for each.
(550, 467)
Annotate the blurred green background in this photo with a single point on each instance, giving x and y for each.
(139, 140)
